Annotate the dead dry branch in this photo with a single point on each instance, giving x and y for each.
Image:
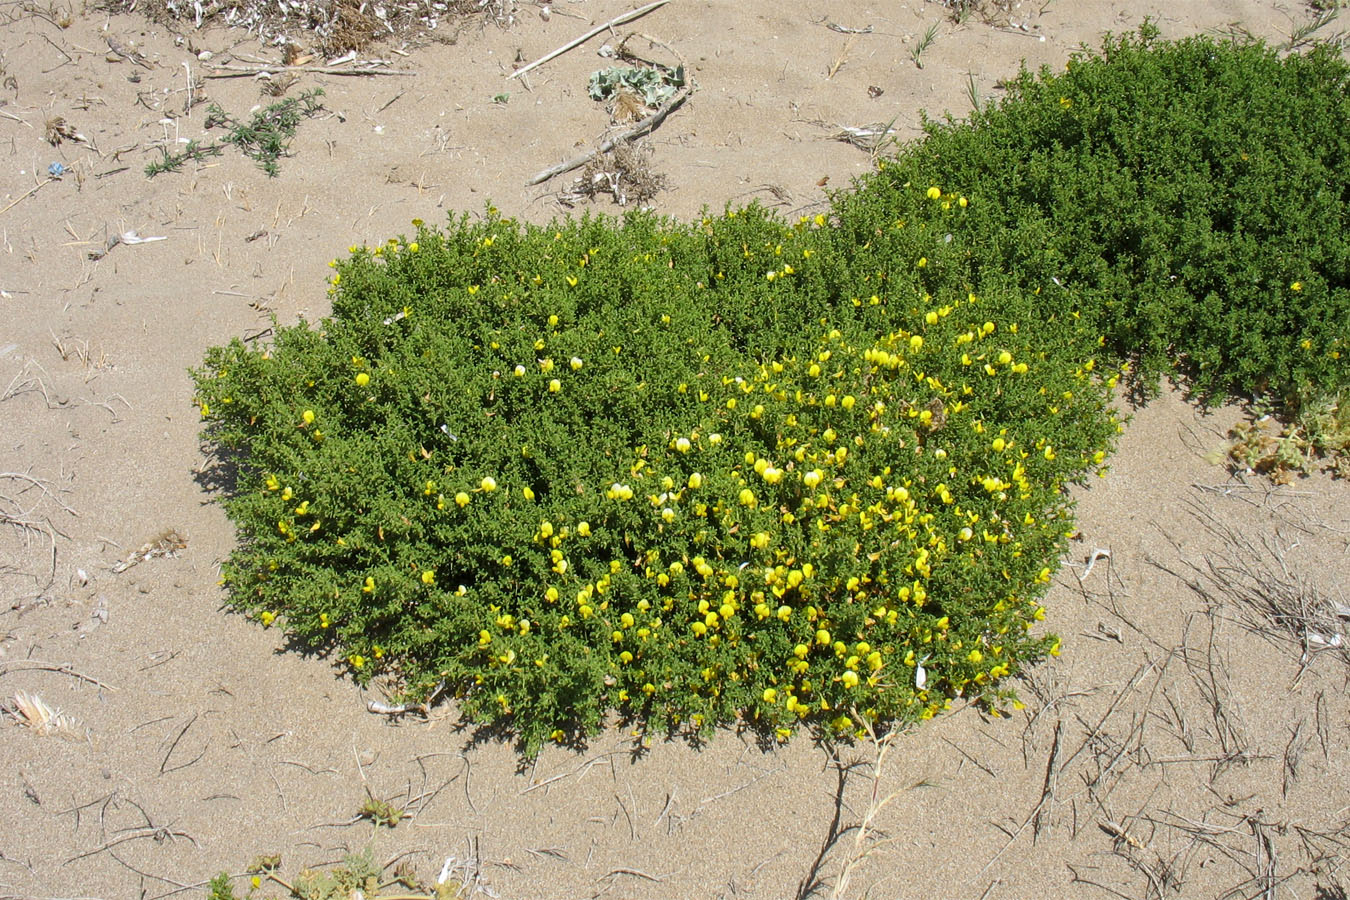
(1253, 574)
(625, 174)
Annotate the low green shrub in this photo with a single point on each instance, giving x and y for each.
(658, 468)
(744, 470)
(1191, 199)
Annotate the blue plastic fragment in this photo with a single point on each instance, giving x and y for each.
(56, 170)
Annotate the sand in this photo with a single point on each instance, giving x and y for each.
(1181, 745)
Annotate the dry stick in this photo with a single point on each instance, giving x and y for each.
(37, 187)
(841, 58)
(1128, 689)
(981, 766)
(63, 668)
(876, 804)
(228, 71)
(545, 783)
(172, 746)
(577, 42)
(159, 833)
(1079, 879)
(626, 871)
(1293, 751)
(1048, 786)
(641, 128)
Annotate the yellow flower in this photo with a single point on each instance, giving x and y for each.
(428, 577)
(1296, 286)
(850, 679)
(584, 529)
(362, 379)
(682, 444)
(770, 695)
(462, 499)
(747, 497)
(934, 192)
(307, 417)
(575, 363)
(267, 618)
(554, 386)
(488, 484)
(695, 481)
(357, 660)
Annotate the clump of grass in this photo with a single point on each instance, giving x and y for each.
(929, 36)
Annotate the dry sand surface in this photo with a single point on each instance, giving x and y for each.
(1182, 745)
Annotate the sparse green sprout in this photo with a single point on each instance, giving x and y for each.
(221, 888)
(923, 44)
(380, 812)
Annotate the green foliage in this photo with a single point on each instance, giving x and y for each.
(265, 138)
(381, 812)
(745, 470)
(357, 874)
(221, 888)
(689, 472)
(1189, 198)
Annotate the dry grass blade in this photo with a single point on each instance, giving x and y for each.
(35, 713)
(1275, 600)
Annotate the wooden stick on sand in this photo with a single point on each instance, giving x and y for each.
(577, 42)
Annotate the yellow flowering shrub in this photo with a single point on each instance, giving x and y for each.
(615, 465)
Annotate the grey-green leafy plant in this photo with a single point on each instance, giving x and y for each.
(264, 138)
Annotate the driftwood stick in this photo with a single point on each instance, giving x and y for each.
(641, 128)
(577, 42)
(228, 71)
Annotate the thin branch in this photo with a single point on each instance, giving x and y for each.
(641, 128)
(577, 42)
